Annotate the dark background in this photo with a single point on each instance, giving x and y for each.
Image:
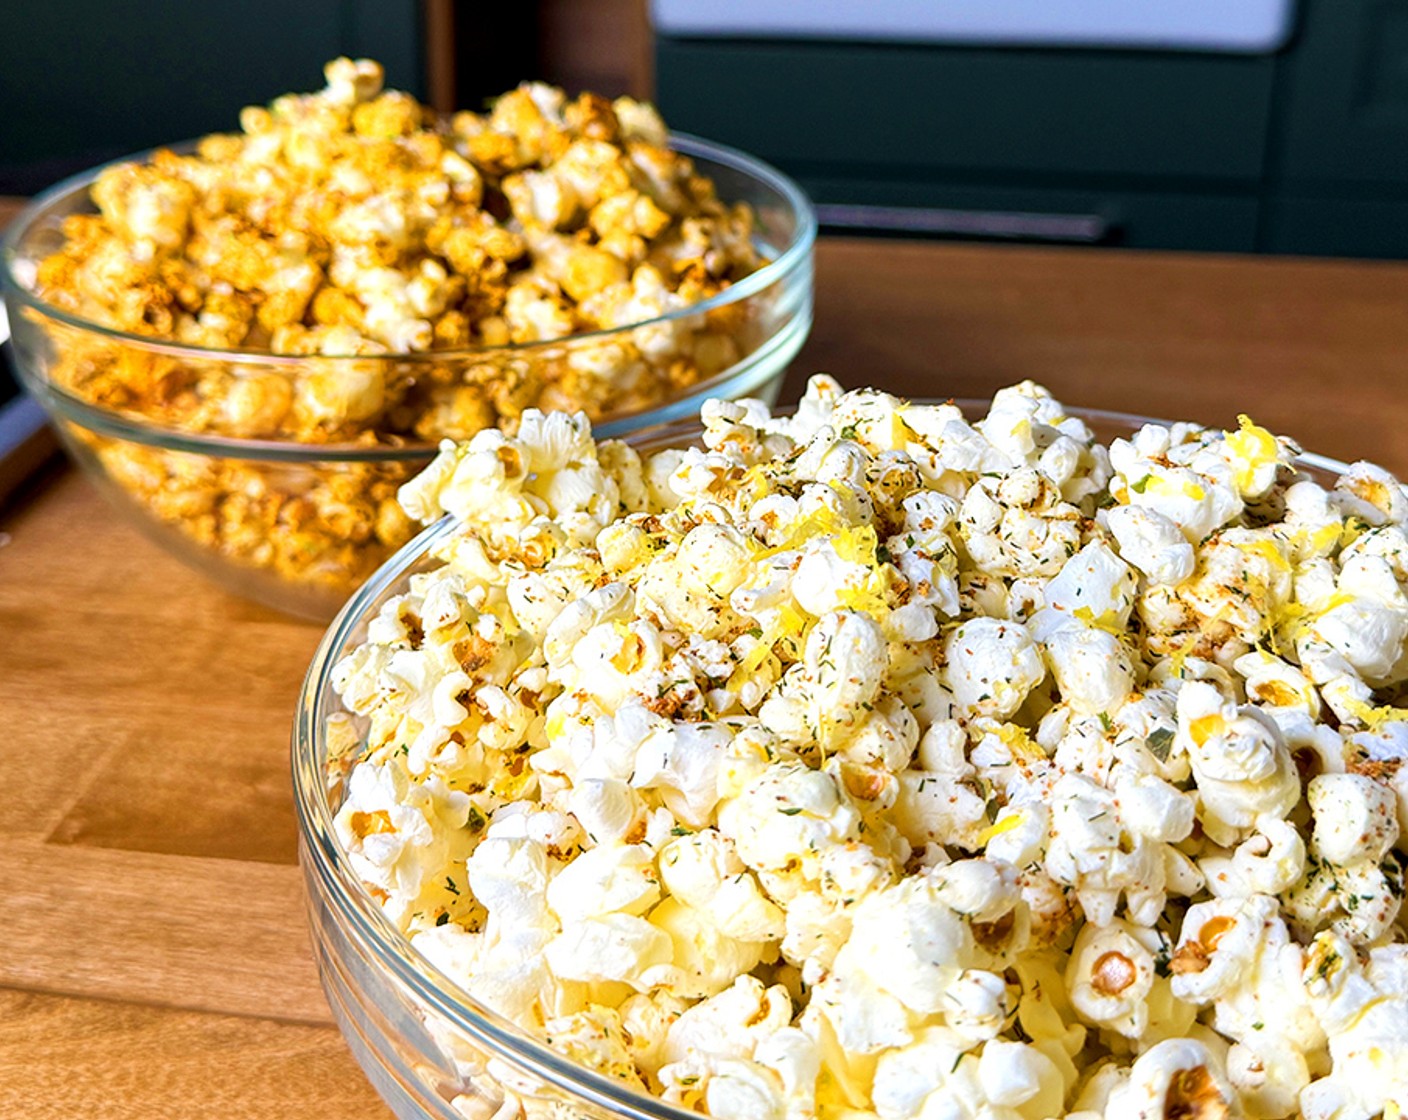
(1302, 150)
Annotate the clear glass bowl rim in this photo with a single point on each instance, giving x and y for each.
(121, 426)
(363, 921)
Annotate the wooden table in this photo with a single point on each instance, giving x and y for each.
(153, 955)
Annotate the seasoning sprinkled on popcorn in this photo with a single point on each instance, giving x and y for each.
(354, 222)
(294, 262)
(870, 762)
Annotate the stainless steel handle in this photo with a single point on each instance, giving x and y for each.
(1009, 225)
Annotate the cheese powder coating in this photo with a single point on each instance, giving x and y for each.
(869, 762)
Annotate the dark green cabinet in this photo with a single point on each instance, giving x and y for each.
(1304, 150)
(82, 81)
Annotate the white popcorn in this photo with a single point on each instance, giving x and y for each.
(1152, 543)
(703, 871)
(1015, 1075)
(744, 1091)
(1385, 754)
(1364, 1013)
(1019, 835)
(401, 834)
(612, 947)
(1109, 978)
(1219, 946)
(785, 817)
(873, 763)
(706, 959)
(730, 1024)
(1019, 526)
(681, 762)
(1093, 851)
(646, 1018)
(1179, 1077)
(1196, 502)
(992, 666)
(979, 1005)
(1367, 621)
(1269, 861)
(1371, 494)
(1093, 668)
(1095, 587)
(1356, 818)
(606, 807)
(619, 878)
(1241, 764)
(935, 1077)
(1280, 689)
(595, 1038)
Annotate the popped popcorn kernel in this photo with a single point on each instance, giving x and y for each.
(845, 766)
(353, 223)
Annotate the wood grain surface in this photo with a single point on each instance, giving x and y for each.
(155, 960)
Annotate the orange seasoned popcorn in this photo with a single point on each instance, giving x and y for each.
(353, 222)
(367, 272)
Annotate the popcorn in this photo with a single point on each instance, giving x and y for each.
(1110, 977)
(605, 880)
(1179, 1077)
(1093, 850)
(1019, 526)
(935, 1077)
(351, 223)
(1241, 764)
(706, 959)
(991, 666)
(1355, 818)
(703, 871)
(1270, 861)
(730, 1024)
(615, 947)
(1364, 1013)
(786, 817)
(871, 763)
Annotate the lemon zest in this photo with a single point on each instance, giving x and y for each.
(1180, 655)
(790, 623)
(899, 431)
(1373, 717)
(1108, 621)
(1255, 447)
(1019, 744)
(1326, 537)
(1006, 824)
(1183, 488)
(1268, 551)
(1205, 727)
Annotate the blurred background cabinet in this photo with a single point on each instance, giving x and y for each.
(83, 81)
(1286, 133)
(1341, 133)
(1256, 125)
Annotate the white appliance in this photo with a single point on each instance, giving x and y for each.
(1233, 26)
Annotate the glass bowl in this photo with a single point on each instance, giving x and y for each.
(207, 472)
(429, 1048)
